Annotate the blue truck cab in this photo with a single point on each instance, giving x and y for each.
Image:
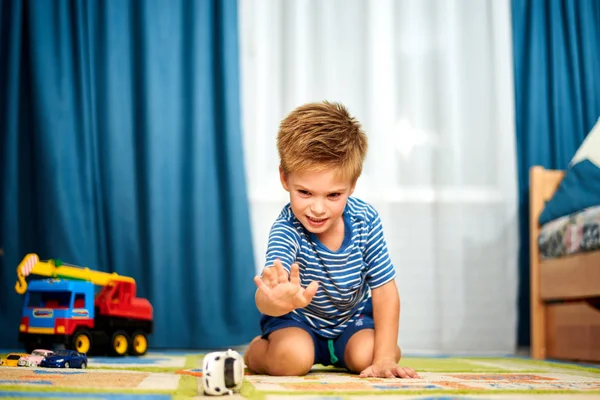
(56, 307)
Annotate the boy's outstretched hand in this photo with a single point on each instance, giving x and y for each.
(388, 369)
(285, 294)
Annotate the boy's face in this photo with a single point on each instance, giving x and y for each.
(318, 198)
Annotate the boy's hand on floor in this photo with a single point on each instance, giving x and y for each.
(388, 369)
(285, 293)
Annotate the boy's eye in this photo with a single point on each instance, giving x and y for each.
(334, 195)
(304, 192)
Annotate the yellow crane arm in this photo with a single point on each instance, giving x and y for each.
(31, 264)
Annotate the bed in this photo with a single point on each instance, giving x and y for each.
(565, 259)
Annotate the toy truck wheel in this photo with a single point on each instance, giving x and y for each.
(139, 344)
(82, 342)
(120, 343)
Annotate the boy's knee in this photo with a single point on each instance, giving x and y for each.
(249, 350)
(358, 359)
(290, 361)
(358, 353)
(291, 353)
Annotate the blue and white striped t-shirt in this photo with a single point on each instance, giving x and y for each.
(344, 276)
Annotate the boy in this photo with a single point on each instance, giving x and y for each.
(327, 292)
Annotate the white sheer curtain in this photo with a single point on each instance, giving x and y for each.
(431, 81)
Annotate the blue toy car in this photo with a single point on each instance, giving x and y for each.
(65, 359)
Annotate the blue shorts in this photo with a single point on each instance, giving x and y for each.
(327, 351)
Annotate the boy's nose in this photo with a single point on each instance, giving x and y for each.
(317, 207)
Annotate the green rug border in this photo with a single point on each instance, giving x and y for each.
(558, 364)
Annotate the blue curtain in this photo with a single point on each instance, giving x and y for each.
(557, 88)
(121, 150)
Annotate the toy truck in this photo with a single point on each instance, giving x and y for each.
(82, 309)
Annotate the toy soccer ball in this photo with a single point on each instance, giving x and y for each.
(223, 372)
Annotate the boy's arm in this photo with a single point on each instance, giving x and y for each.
(386, 307)
(386, 315)
(384, 293)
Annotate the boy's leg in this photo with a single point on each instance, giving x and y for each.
(286, 352)
(358, 354)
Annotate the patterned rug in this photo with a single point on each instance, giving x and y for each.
(175, 375)
(441, 378)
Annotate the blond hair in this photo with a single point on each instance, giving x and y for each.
(323, 135)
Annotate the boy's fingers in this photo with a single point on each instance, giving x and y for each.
(267, 273)
(261, 285)
(295, 274)
(367, 372)
(273, 277)
(399, 372)
(404, 372)
(412, 373)
(281, 274)
(310, 291)
(269, 276)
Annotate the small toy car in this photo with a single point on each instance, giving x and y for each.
(65, 359)
(223, 372)
(12, 359)
(34, 359)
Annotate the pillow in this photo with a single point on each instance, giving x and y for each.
(580, 188)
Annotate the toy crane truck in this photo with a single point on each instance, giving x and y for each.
(64, 309)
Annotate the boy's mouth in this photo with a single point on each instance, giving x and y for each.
(316, 221)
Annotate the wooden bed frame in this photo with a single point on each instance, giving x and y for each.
(565, 324)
